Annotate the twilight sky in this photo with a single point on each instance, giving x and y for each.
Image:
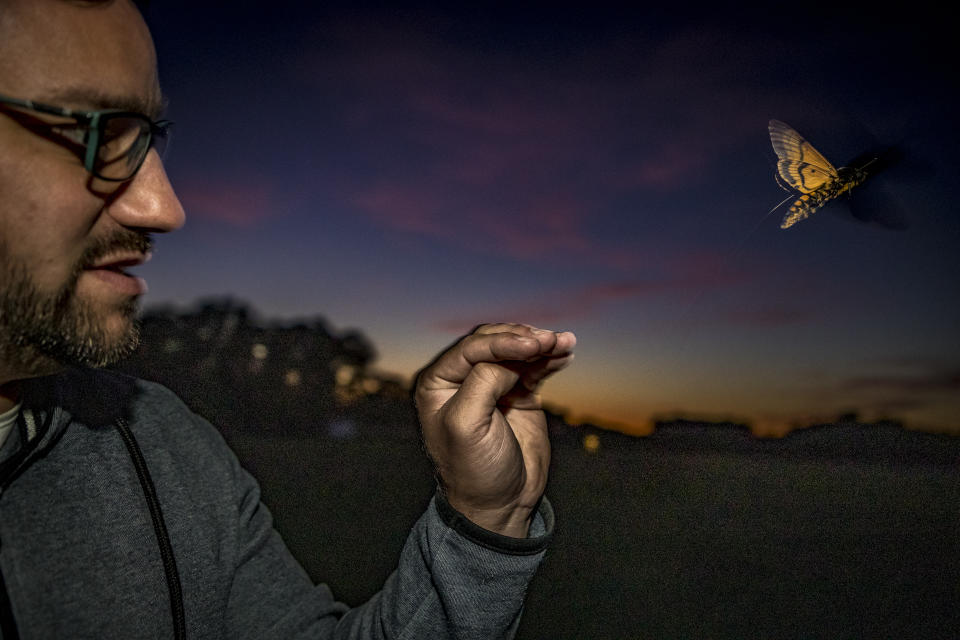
(414, 171)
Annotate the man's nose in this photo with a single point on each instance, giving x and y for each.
(148, 202)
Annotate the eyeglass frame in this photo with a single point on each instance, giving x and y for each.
(94, 122)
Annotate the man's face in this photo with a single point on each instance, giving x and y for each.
(66, 237)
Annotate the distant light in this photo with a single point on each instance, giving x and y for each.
(259, 351)
(345, 375)
(371, 385)
(591, 443)
(291, 378)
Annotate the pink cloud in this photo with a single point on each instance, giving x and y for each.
(403, 207)
(517, 159)
(581, 301)
(562, 307)
(672, 166)
(240, 204)
(532, 229)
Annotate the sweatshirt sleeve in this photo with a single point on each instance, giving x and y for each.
(453, 580)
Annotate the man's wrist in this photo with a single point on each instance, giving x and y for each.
(509, 522)
(539, 534)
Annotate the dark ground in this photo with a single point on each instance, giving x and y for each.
(656, 539)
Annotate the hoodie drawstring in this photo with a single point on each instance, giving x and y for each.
(159, 528)
(8, 625)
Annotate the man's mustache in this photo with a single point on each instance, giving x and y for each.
(121, 241)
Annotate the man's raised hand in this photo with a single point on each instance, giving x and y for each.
(480, 411)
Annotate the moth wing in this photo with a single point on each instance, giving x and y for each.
(799, 165)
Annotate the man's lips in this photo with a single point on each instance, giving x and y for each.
(118, 261)
(110, 270)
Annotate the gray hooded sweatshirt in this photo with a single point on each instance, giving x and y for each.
(125, 515)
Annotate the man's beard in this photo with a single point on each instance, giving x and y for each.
(42, 332)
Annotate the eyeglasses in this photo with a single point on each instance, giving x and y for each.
(113, 143)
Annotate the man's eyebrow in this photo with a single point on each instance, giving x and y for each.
(94, 100)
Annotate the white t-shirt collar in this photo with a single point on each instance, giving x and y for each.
(7, 421)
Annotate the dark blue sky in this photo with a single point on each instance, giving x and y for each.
(412, 171)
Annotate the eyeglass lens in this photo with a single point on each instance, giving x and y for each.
(124, 143)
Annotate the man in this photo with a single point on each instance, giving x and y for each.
(124, 515)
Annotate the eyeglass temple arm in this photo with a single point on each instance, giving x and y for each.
(93, 142)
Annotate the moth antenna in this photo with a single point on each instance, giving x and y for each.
(760, 222)
(781, 203)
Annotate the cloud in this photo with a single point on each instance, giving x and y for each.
(501, 151)
(670, 167)
(233, 202)
(564, 306)
(560, 307)
(930, 382)
(899, 394)
(537, 228)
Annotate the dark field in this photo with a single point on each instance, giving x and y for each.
(655, 540)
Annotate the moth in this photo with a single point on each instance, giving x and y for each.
(802, 168)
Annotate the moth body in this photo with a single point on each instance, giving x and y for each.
(800, 167)
(808, 203)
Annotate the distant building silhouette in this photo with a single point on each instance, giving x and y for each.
(247, 376)
(242, 374)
